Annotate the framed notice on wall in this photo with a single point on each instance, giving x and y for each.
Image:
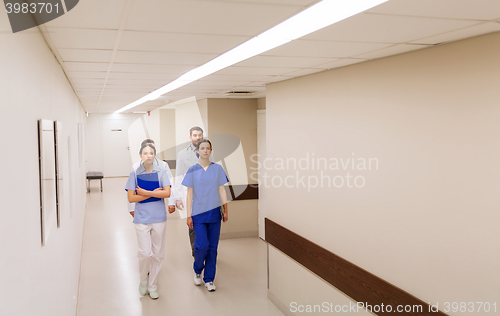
(79, 131)
(47, 178)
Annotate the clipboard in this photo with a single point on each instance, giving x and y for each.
(150, 182)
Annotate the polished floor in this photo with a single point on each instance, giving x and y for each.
(109, 277)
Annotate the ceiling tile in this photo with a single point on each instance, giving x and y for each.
(233, 78)
(146, 68)
(180, 43)
(78, 81)
(88, 86)
(75, 66)
(88, 55)
(79, 89)
(343, 62)
(264, 71)
(96, 14)
(454, 9)
(114, 81)
(137, 85)
(88, 93)
(285, 2)
(127, 89)
(479, 29)
(277, 61)
(385, 28)
(87, 74)
(208, 17)
(82, 38)
(122, 96)
(140, 76)
(305, 48)
(254, 84)
(158, 58)
(303, 72)
(393, 50)
(279, 78)
(209, 82)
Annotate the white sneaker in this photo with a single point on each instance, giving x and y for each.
(197, 279)
(210, 286)
(154, 295)
(143, 289)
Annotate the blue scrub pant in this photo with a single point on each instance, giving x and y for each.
(205, 249)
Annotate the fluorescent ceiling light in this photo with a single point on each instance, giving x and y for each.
(316, 17)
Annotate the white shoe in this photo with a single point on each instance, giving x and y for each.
(210, 286)
(143, 289)
(154, 295)
(197, 279)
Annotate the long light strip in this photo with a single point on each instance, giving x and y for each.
(310, 20)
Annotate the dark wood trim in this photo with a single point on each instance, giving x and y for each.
(251, 192)
(171, 163)
(355, 282)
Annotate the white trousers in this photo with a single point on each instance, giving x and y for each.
(151, 242)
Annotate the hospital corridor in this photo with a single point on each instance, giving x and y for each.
(290, 157)
(109, 279)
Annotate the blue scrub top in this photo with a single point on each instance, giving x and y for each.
(152, 212)
(206, 199)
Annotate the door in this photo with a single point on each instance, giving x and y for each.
(115, 151)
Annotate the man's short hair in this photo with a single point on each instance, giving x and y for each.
(196, 128)
(147, 141)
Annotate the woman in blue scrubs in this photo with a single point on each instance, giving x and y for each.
(206, 206)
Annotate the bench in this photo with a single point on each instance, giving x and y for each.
(94, 175)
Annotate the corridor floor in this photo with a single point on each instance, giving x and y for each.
(109, 277)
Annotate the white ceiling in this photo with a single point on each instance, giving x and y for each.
(116, 51)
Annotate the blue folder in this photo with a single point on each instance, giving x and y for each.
(150, 182)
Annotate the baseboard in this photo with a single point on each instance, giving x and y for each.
(279, 304)
(232, 235)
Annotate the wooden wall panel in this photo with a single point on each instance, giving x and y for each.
(357, 283)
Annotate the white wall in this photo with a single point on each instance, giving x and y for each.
(167, 134)
(36, 280)
(236, 118)
(427, 219)
(188, 113)
(94, 140)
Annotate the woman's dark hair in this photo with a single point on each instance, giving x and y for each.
(203, 141)
(147, 141)
(147, 145)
